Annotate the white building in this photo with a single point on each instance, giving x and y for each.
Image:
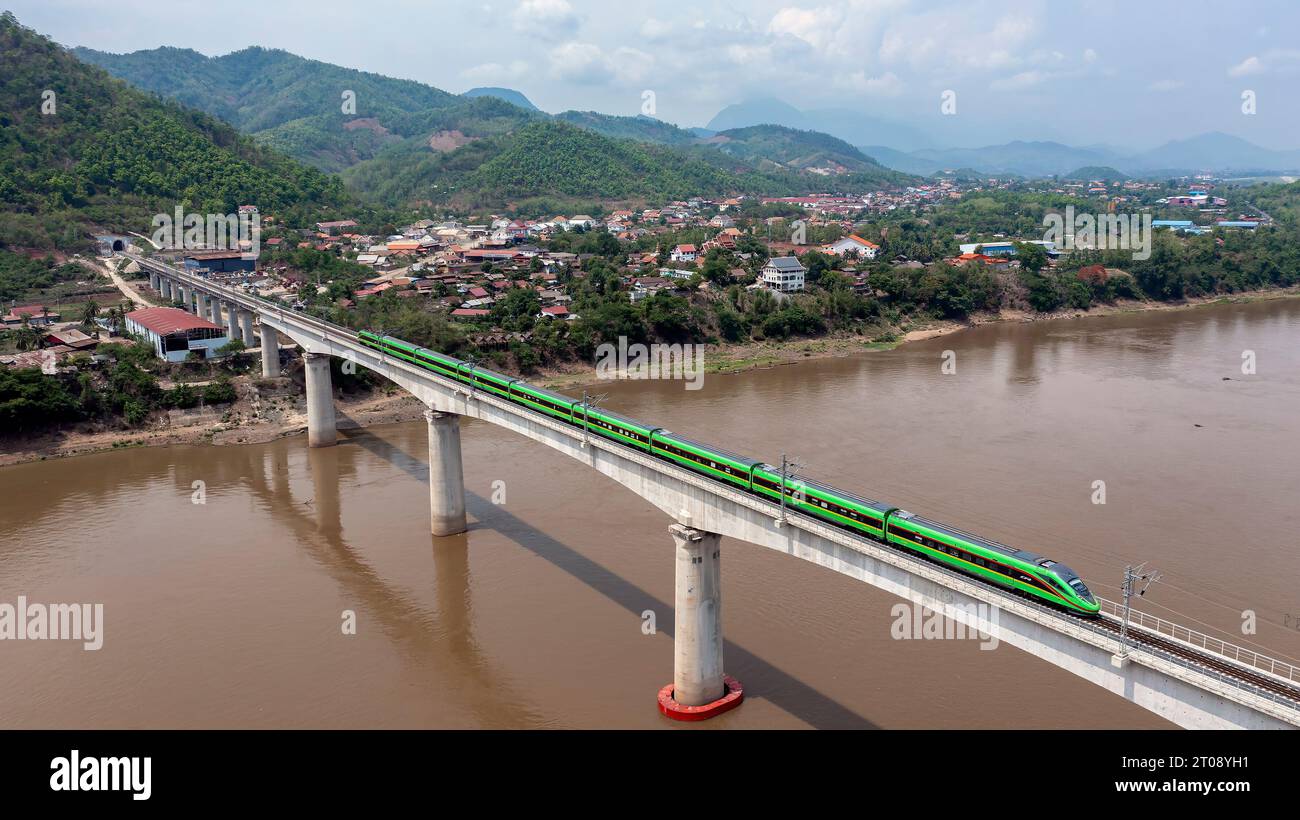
(783, 274)
(684, 253)
(852, 244)
(174, 333)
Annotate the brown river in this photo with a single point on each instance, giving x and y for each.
(229, 613)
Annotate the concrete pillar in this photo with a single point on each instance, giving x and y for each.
(697, 635)
(214, 310)
(182, 296)
(165, 289)
(446, 474)
(246, 328)
(270, 353)
(320, 401)
(154, 281)
(232, 321)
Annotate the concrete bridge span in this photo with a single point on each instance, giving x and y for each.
(1189, 689)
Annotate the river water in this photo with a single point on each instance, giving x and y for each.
(229, 613)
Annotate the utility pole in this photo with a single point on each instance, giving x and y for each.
(470, 362)
(1132, 575)
(789, 468)
(588, 402)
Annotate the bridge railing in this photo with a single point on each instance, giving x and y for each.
(252, 301)
(1200, 640)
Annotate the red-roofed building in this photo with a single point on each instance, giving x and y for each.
(34, 314)
(554, 312)
(684, 253)
(470, 313)
(175, 333)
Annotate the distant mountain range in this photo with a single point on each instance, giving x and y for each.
(854, 127)
(401, 141)
(1212, 153)
(907, 149)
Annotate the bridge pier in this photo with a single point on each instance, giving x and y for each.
(214, 309)
(270, 352)
(699, 689)
(246, 327)
(320, 401)
(182, 296)
(165, 288)
(446, 474)
(232, 322)
(155, 281)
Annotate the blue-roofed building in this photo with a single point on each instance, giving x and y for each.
(1180, 226)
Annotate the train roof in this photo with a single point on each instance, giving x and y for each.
(996, 546)
(878, 506)
(541, 391)
(746, 460)
(629, 421)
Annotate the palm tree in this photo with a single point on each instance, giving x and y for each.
(88, 313)
(27, 336)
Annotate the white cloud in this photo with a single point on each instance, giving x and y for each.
(1025, 79)
(816, 27)
(654, 30)
(589, 64)
(547, 18)
(1250, 65)
(1281, 60)
(582, 63)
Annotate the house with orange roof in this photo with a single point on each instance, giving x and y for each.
(852, 245)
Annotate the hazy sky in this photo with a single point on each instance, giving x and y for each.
(1128, 73)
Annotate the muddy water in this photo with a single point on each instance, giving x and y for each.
(228, 613)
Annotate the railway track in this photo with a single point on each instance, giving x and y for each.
(1208, 660)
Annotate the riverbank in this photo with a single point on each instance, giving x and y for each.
(736, 358)
(256, 417)
(260, 415)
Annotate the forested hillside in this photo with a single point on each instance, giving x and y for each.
(80, 150)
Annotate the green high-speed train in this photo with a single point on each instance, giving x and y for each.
(1023, 572)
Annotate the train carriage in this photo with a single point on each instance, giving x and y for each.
(1024, 572)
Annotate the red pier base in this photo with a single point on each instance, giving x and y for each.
(670, 708)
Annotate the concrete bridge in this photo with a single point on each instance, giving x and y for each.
(1188, 678)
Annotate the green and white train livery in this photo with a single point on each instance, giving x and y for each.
(1024, 572)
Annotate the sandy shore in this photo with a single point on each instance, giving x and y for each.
(256, 417)
(260, 416)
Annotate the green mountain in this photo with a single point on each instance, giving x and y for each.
(1099, 172)
(644, 129)
(109, 156)
(549, 164)
(778, 148)
(408, 142)
(298, 106)
(508, 94)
